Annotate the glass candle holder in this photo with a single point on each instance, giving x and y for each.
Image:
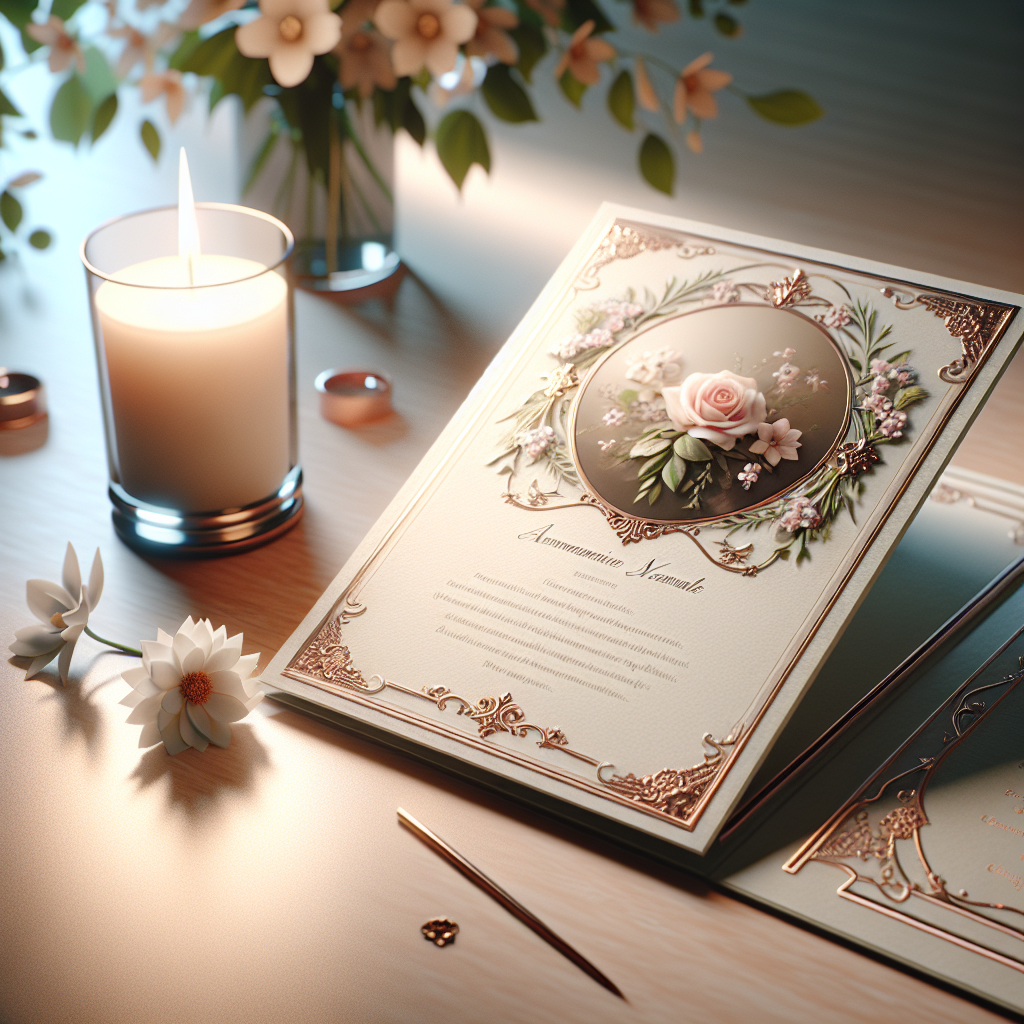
(196, 361)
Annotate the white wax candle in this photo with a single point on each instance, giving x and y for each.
(198, 381)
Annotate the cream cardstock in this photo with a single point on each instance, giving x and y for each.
(515, 609)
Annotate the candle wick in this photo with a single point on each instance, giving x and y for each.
(188, 226)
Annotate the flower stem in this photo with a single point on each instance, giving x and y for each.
(110, 643)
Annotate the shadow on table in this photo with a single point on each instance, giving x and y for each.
(198, 781)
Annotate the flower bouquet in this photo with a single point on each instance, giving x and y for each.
(336, 76)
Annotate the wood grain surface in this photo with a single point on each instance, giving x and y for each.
(271, 881)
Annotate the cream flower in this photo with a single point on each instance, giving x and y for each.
(166, 84)
(583, 54)
(694, 86)
(657, 370)
(63, 49)
(63, 612)
(426, 32)
(777, 441)
(491, 37)
(291, 33)
(191, 687)
(365, 62)
(718, 407)
(649, 12)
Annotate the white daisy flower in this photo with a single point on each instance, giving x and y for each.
(191, 687)
(63, 613)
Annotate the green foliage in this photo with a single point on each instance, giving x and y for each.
(691, 449)
(674, 472)
(102, 116)
(657, 164)
(7, 108)
(532, 45)
(908, 396)
(728, 26)
(63, 9)
(412, 121)
(18, 12)
(790, 107)
(219, 58)
(461, 142)
(40, 239)
(648, 446)
(150, 139)
(71, 111)
(10, 211)
(622, 101)
(572, 87)
(506, 97)
(576, 12)
(99, 80)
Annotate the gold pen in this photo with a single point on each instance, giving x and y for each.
(513, 906)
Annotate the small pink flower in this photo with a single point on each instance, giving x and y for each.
(64, 51)
(577, 343)
(613, 418)
(815, 382)
(878, 404)
(892, 426)
(583, 56)
(787, 354)
(776, 441)
(724, 291)
(879, 385)
(751, 471)
(800, 514)
(786, 373)
(536, 442)
(605, 445)
(880, 367)
(837, 316)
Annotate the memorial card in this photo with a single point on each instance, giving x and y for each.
(617, 571)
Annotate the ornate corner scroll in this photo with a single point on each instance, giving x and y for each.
(977, 324)
(624, 243)
(789, 291)
(671, 794)
(865, 838)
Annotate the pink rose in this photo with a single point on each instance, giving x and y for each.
(719, 407)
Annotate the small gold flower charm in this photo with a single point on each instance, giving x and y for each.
(440, 931)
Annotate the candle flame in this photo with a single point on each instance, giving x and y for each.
(188, 226)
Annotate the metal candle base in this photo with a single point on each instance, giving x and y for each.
(167, 533)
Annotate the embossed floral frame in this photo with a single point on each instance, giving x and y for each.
(317, 660)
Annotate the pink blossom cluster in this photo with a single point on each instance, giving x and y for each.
(879, 405)
(837, 316)
(617, 313)
(887, 374)
(815, 382)
(724, 291)
(751, 471)
(577, 343)
(800, 514)
(613, 418)
(786, 374)
(536, 442)
(893, 424)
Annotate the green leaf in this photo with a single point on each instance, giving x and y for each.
(71, 111)
(655, 493)
(651, 446)
(728, 26)
(39, 239)
(262, 154)
(150, 139)
(657, 164)
(652, 466)
(412, 121)
(908, 396)
(103, 115)
(532, 46)
(576, 12)
(691, 449)
(628, 396)
(3, 59)
(674, 472)
(789, 107)
(622, 101)
(506, 97)
(99, 80)
(65, 8)
(696, 8)
(10, 210)
(182, 55)
(7, 108)
(572, 87)
(461, 142)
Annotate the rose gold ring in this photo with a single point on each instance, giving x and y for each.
(22, 400)
(351, 398)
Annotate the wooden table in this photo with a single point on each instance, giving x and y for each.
(271, 881)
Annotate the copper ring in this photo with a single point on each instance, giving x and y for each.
(22, 400)
(351, 398)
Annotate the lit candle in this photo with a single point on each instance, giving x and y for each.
(197, 361)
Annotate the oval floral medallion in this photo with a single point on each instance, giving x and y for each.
(711, 413)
